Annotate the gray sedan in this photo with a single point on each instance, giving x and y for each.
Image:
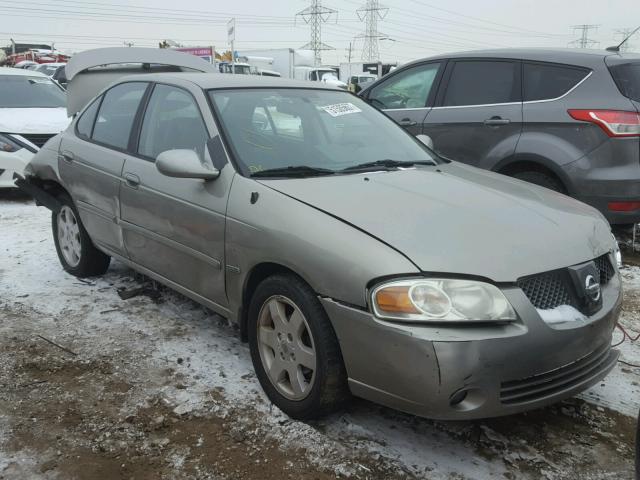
(353, 259)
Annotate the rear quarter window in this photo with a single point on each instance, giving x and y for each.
(627, 78)
(546, 81)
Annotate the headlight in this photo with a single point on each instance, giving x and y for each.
(441, 300)
(616, 250)
(7, 144)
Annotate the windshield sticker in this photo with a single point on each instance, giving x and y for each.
(339, 109)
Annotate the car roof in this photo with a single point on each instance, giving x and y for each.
(574, 56)
(226, 80)
(21, 71)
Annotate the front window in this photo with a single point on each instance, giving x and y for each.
(23, 91)
(407, 89)
(318, 129)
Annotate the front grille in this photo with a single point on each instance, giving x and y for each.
(555, 381)
(551, 289)
(37, 139)
(603, 264)
(548, 290)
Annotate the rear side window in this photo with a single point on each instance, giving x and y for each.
(546, 82)
(85, 124)
(407, 89)
(480, 82)
(172, 121)
(116, 115)
(627, 78)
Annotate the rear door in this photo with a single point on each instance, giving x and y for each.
(477, 118)
(407, 95)
(175, 226)
(91, 160)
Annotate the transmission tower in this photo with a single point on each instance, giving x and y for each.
(315, 15)
(621, 34)
(370, 13)
(584, 41)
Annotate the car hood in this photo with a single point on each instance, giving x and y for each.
(461, 220)
(33, 120)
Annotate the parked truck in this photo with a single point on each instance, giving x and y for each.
(297, 64)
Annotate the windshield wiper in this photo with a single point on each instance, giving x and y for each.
(387, 164)
(294, 171)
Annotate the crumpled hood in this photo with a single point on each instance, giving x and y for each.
(462, 220)
(33, 120)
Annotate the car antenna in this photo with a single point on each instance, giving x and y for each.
(616, 48)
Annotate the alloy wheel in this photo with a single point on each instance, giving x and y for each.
(69, 236)
(286, 347)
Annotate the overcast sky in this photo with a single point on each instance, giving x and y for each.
(418, 28)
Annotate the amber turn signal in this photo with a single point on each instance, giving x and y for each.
(395, 299)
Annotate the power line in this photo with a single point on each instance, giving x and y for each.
(584, 41)
(315, 15)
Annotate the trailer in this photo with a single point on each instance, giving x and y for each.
(292, 63)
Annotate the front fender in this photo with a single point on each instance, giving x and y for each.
(334, 258)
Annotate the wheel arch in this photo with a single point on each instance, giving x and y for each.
(257, 274)
(537, 163)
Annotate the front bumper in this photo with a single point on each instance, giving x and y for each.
(13, 162)
(455, 373)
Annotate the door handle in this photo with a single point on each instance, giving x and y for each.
(407, 122)
(132, 180)
(67, 156)
(496, 121)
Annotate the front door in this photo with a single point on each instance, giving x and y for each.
(477, 118)
(406, 96)
(175, 226)
(91, 160)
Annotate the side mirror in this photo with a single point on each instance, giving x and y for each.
(184, 163)
(426, 139)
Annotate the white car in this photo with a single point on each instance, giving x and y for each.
(49, 68)
(32, 110)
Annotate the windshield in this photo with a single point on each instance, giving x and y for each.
(20, 91)
(366, 79)
(327, 130)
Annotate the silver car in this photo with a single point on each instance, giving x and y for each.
(353, 259)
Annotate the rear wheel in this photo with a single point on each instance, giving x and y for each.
(294, 349)
(75, 249)
(540, 178)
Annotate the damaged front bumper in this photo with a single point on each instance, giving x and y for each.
(455, 373)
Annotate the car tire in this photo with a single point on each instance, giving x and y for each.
(76, 251)
(289, 331)
(540, 178)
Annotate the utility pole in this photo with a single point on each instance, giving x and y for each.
(315, 15)
(370, 13)
(623, 33)
(584, 41)
(231, 38)
(13, 46)
(350, 47)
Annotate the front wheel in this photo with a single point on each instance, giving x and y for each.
(75, 249)
(294, 349)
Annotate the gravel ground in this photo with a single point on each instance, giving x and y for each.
(156, 387)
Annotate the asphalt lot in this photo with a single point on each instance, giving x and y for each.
(95, 387)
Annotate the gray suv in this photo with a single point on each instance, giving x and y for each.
(564, 119)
